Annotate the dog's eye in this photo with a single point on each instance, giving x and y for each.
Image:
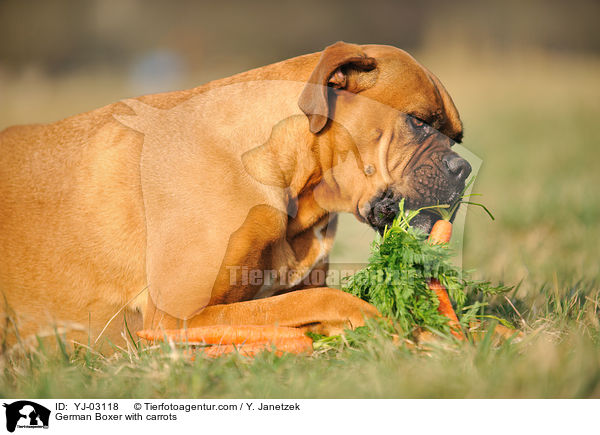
(419, 125)
(417, 122)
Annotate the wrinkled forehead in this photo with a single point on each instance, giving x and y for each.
(366, 117)
(405, 85)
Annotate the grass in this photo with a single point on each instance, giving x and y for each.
(533, 121)
(559, 356)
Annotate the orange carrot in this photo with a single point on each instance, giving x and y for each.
(441, 233)
(223, 334)
(445, 307)
(248, 340)
(295, 345)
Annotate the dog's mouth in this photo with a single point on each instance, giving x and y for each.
(425, 220)
(384, 209)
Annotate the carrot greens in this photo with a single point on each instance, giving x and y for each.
(400, 267)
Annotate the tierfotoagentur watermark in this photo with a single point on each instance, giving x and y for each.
(337, 276)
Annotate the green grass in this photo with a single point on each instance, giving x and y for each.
(559, 356)
(533, 121)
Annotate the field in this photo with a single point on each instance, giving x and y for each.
(533, 120)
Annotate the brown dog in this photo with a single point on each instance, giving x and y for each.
(168, 208)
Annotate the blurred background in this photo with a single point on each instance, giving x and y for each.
(524, 75)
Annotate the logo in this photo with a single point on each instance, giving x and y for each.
(26, 414)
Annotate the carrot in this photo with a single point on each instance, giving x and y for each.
(248, 340)
(223, 334)
(295, 345)
(441, 233)
(445, 307)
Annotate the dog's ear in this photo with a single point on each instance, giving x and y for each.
(335, 68)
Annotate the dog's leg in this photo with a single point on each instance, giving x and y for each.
(322, 310)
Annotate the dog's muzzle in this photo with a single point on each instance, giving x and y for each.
(384, 208)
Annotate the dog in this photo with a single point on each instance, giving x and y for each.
(165, 210)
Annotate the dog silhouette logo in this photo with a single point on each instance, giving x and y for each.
(26, 414)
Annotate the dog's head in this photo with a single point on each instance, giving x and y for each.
(397, 123)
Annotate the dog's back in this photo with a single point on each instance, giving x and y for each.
(70, 219)
(72, 229)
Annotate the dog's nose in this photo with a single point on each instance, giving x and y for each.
(458, 168)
